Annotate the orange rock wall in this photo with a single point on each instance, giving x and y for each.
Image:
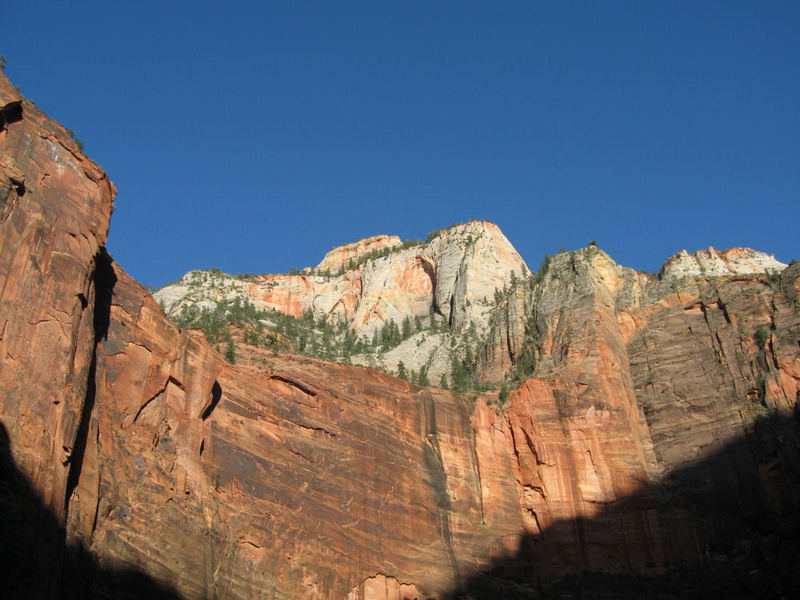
(55, 206)
(656, 435)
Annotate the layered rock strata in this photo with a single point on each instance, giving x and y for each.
(714, 263)
(447, 283)
(54, 214)
(656, 444)
(454, 275)
(340, 258)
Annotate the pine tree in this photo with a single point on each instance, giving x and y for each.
(423, 376)
(406, 333)
(401, 371)
(443, 382)
(504, 393)
(230, 351)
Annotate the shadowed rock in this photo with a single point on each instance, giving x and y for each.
(654, 445)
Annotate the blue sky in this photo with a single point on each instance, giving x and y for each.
(255, 136)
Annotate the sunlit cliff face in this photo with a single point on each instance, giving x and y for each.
(649, 442)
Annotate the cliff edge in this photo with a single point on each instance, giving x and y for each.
(647, 442)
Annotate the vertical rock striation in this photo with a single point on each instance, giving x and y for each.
(54, 211)
(650, 445)
(446, 283)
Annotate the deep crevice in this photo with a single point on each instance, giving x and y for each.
(19, 186)
(428, 268)
(149, 400)
(216, 396)
(10, 113)
(103, 279)
(305, 389)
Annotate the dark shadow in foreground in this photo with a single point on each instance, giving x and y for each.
(34, 562)
(726, 526)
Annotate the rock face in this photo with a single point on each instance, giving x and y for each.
(339, 258)
(713, 263)
(54, 212)
(449, 281)
(653, 452)
(652, 417)
(455, 275)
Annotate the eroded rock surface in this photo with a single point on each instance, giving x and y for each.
(714, 263)
(455, 275)
(652, 420)
(54, 212)
(340, 257)
(654, 442)
(448, 282)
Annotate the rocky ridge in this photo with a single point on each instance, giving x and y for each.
(446, 327)
(714, 263)
(343, 257)
(654, 452)
(435, 291)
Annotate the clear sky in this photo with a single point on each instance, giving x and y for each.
(255, 136)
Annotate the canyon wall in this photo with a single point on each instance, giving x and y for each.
(653, 442)
(454, 274)
(443, 288)
(54, 212)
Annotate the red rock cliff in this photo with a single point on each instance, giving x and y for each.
(54, 210)
(656, 445)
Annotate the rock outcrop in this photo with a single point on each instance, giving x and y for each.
(448, 282)
(55, 206)
(713, 263)
(650, 446)
(339, 258)
(643, 392)
(455, 275)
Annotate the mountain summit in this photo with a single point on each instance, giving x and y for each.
(606, 433)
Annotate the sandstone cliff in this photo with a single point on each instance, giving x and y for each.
(713, 263)
(341, 257)
(446, 284)
(649, 448)
(455, 275)
(54, 212)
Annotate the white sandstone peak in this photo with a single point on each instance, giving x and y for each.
(711, 262)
